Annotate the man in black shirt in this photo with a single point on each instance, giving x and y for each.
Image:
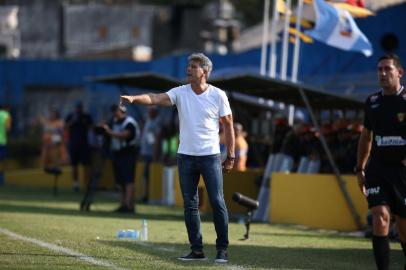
(78, 124)
(124, 134)
(381, 164)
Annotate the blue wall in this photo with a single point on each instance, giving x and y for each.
(15, 75)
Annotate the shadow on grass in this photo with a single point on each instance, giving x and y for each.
(307, 235)
(144, 211)
(19, 200)
(38, 194)
(268, 257)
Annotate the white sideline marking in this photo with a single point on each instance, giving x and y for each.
(90, 259)
(60, 249)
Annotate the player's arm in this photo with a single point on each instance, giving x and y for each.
(364, 148)
(147, 99)
(227, 122)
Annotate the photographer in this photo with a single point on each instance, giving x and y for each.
(124, 134)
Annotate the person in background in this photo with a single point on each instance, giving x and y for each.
(292, 144)
(124, 134)
(149, 145)
(5, 127)
(201, 108)
(241, 148)
(169, 137)
(381, 162)
(53, 152)
(280, 131)
(223, 143)
(99, 143)
(78, 124)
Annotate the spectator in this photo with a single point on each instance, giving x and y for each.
(149, 144)
(281, 129)
(342, 151)
(99, 143)
(223, 146)
(292, 145)
(170, 141)
(241, 148)
(78, 124)
(53, 152)
(5, 126)
(310, 144)
(330, 137)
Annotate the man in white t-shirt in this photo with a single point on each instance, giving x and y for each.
(201, 108)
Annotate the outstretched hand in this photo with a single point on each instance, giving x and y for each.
(126, 99)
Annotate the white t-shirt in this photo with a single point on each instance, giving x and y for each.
(199, 117)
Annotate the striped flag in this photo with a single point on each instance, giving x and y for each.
(337, 28)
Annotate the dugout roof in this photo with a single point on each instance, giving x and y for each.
(255, 85)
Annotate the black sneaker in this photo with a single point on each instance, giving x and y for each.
(121, 209)
(125, 210)
(192, 256)
(129, 210)
(221, 256)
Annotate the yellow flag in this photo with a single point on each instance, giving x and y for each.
(304, 23)
(303, 37)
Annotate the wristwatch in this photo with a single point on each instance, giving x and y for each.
(358, 169)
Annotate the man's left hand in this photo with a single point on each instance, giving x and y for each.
(228, 164)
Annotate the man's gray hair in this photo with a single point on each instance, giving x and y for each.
(204, 61)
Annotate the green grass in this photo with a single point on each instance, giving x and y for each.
(35, 213)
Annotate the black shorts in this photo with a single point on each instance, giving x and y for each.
(79, 155)
(386, 185)
(124, 167)
(3, 152)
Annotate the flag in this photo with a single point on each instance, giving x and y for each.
(356, 11)
(357, 3)
(355, 7)
(303, 22)
(337, 28)
(305, 38)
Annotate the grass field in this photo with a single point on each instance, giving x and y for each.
(35, 227)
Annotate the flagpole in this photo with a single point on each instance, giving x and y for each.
(273, 57)
(296, 51)
(285, 48)
(264, 37)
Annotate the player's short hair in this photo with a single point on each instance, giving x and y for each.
(391, 56)
(204, 61)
